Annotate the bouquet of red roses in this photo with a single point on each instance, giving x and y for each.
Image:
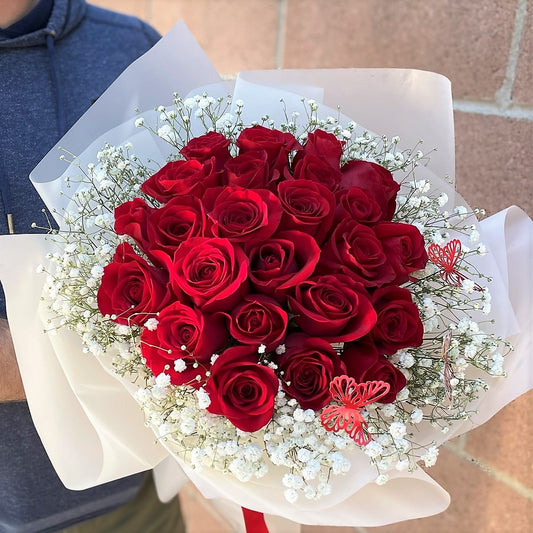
(277, 267)
(282, 297)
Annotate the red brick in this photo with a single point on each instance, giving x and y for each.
(130, 7)
(236, 35)
(493, 161)
(503, 443)
(467, 41)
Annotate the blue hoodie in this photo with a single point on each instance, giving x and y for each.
(48, 79)
(54, 64)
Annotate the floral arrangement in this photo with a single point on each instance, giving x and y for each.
(280, 294)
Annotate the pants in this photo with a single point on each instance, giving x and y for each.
(144, 514)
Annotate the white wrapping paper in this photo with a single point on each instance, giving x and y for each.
(70, 393)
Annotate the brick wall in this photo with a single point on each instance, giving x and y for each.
(486, 48)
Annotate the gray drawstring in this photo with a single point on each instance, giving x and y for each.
(6, 200)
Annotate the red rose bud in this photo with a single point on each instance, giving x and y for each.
(363, 363)
(307, 206)
(313, 168)
(275, 143)
(404, 246)
(398, 325)
(204, 147)
(180, 326)
(182, 177)
(359, 205)
(354, 249)
(257, 320)
(375, 180)
(242, 215)
(249, 170)
(242, 390)
(178, 220)
(333, 307)
(131, 219)
(131, 289)
(213, 272)
(323, 145)
(308, 365)
(282, 262)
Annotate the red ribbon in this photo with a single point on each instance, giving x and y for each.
(254, 521)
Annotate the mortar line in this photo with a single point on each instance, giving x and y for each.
(461, 442)
(459, 445)
(497, 474)
(516, 111)
(280, 38)
(504, 93)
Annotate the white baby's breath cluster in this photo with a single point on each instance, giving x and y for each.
(444, 375)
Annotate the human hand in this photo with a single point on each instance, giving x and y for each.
(11, 388)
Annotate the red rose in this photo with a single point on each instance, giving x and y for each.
(355, 250)
(275, 143)
(132, 289)
(398, 325)
(308, 365)
(131, 219)
(363, 363)
(180, 326)
(257, 320)
(333, 307)
(213, 272)
(404, 246)
(323, 145)
(249, 170)
(362, 207)
(182, 177)
(375, 180)
(178, 220)
(307, 206)
(282, 261)
(242, 215)
(204, 147)
(242, 390)
(313, 168)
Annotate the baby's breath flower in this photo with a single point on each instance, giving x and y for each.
(430, 457)
(397, 430)
(291, 495)
(151, 324)
(416, 415)
(179, 365)
(382, 479)
(162, 380)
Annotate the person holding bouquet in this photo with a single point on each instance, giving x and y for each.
(56, 58)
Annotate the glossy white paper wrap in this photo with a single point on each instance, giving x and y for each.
(92, 428)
